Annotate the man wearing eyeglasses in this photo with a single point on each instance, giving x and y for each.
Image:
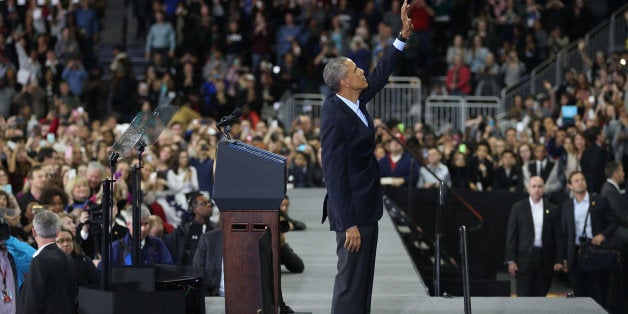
(184, 240)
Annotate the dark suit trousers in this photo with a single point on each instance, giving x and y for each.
(354, 281)
(535, 281)
(594, 284)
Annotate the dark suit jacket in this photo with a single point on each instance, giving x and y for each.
(51, 284)
(601, 219)
(520, 235)
(593, 161)
(618, 202)
(351, 173)
(552, 175)
(502, 182)
(209, 256)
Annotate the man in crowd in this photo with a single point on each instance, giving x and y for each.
(508, 177)
(594, 159)
(533, 242)
(37, 181)
(204, 167)
(153, 250)
(182, 243)
(354, 196)
(427, 179)
(51, 284)
(398, 168)
(95, 174)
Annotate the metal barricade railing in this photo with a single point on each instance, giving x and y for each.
(598, 39)
(400, 99)
(443, 112)
(569, 58)
(546, 71)
(618, 30)
(521, 88)
(296, 104)
(481, 106)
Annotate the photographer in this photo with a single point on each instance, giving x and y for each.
(204, 165)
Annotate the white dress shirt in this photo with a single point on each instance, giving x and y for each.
(580, 214)
(355, 107)
(537, 218)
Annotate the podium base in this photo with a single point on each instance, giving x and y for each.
(94, 301)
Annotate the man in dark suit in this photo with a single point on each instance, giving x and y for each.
(508, 177)
(600, 226)
(545, 168)
(208, 255)
(354, 195)
(51, 284)
(619, 204)
(533, 242)
(594, 159)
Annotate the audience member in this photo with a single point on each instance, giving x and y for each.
(182, 243)
(87, 274)
(508, 177)
(398, 168)
(439, 172)
(153, 250)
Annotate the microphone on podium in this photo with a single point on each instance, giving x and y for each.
(230, 118)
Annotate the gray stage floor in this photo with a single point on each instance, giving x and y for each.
(397, 287)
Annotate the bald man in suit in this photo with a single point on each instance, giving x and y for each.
(533, 241)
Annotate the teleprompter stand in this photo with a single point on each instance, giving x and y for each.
(131, 289)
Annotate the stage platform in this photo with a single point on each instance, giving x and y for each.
(397, 287)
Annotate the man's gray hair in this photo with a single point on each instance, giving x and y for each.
(128, 213)
(46, 224)
(334, 71)
(94, 165)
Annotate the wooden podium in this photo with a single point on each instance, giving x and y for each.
(249, 185)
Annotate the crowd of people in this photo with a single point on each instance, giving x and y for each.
(59, 117)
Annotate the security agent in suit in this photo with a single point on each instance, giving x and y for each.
(533, 242)
(354, 195)
(619, 203)
(51, 284)
(601, 225)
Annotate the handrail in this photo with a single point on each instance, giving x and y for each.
(466, 204)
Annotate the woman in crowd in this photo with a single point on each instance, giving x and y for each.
(87, 273)
(569, 159)
(182, 178)
(460, 175)
(54, 200)
(67, 222)
(78, 191)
